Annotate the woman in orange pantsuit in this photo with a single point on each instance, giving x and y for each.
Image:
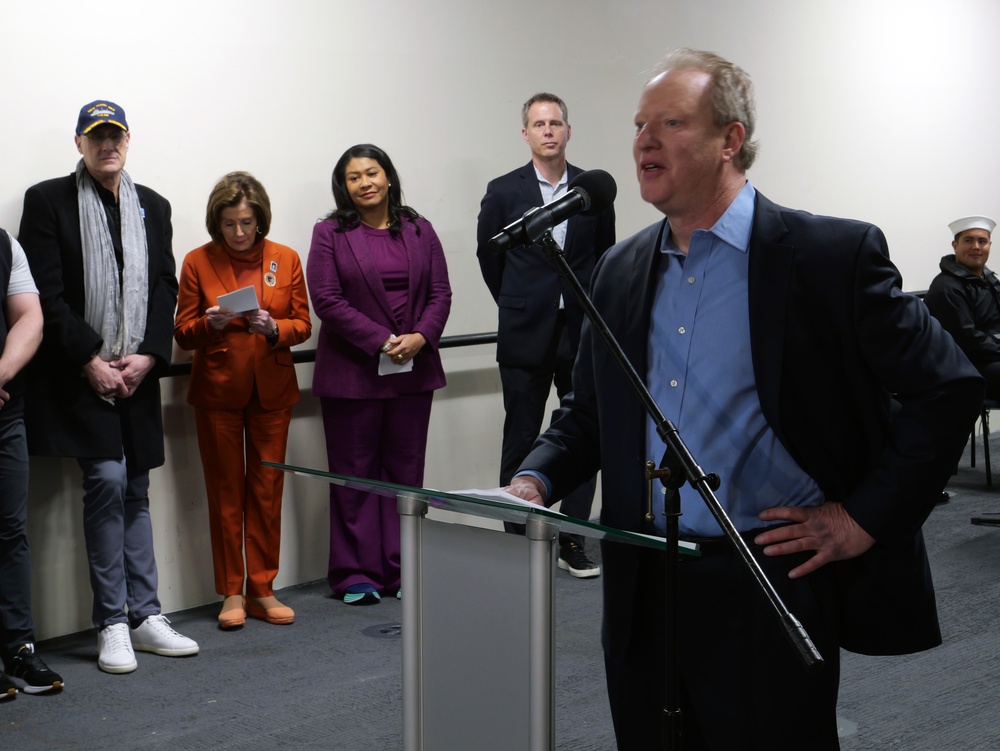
(242, 387)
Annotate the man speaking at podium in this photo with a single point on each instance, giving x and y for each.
(830, 403)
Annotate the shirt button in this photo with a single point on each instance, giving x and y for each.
(673, 383)
(680, 330)
(690, 280)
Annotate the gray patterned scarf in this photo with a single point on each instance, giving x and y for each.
(116, 312)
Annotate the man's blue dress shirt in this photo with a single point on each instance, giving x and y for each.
(701, 376)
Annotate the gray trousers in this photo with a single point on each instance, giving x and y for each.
(119, 538)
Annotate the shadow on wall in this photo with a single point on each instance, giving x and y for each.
(60, 580)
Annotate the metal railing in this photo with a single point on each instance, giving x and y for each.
(309, 355)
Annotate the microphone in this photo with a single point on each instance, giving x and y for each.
(590, 193)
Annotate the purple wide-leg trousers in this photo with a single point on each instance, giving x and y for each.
(375, 439)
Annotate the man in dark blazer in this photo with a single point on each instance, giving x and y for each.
(538, 331)
(831, 404)
(108, 292)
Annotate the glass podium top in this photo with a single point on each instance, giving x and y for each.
(487, 504)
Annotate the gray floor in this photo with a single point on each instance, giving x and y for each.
(332, 680)
(949, 697)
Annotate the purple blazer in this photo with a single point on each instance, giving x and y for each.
(356, 319)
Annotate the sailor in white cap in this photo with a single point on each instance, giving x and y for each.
(972, 241)
(965, 297)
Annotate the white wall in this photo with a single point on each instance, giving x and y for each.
(876, 109)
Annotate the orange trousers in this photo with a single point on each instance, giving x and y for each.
(244, 498)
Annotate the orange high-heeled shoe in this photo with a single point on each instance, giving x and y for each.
(279, 614)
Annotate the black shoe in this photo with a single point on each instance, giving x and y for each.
(573, 559)
(8, 690)
(30, 674)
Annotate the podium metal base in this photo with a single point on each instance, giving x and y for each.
(478, 635)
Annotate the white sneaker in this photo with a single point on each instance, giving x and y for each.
(114, 649)
(155, 635)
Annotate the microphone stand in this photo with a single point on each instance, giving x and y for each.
(677, 467)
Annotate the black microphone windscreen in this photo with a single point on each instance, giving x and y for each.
(598, 187)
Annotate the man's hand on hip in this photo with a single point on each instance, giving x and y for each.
(827, 529)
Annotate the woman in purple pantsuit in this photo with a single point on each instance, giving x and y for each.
(379, 285)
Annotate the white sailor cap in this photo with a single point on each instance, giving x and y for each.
(971, 222)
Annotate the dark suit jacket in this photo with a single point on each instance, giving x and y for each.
(228, 364)
(64, 416)
(524, 284)
(350, 301)
(832, 337)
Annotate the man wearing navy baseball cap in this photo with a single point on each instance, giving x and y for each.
(99, 247)
(965, 297)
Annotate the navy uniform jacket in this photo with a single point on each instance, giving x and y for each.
(866, 391)
(968, 307)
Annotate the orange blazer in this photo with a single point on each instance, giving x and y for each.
(227, 363)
